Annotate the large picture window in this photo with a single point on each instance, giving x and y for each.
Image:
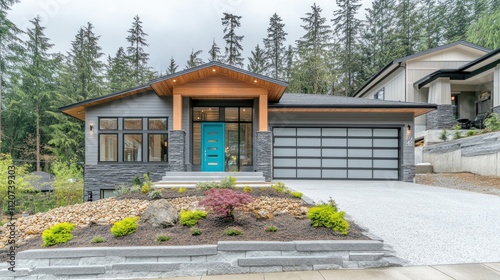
(133, 139)
(108, 147)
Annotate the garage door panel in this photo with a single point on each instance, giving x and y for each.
(309, 173)
(337, 153)
(334, 173)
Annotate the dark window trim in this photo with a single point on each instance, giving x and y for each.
(147, 135)
(99, 147)
(149, 129)
(133, 129)
(101, 192)
(123, 146)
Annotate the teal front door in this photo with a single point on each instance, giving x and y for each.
(212, 147)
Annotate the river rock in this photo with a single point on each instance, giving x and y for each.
(160, 214)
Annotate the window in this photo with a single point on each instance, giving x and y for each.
(158, 147)
(132, 123)
(108, 123)
(105, 193)
(133, 139)
(132, 147)
(108, 147)
(380, 94)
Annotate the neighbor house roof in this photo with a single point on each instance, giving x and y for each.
(471, 69)
(300, 102)
(41, 181)
(164, 86)
(395, 64)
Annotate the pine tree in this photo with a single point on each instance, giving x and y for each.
(194, 60)
(486, 31)
(287, 72)
(119, 73)
(258, 63)
(274, 46)
(214, 53)
(458, 20)
(138, 56)
(10, 48)
(433, 15)
(172, 67)
(230, 23)
(5, 4)
(346, 30)
(407, 33)
(37, 81)
(310, 72)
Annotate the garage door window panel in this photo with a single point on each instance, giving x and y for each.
(336, 132)
(363, 142)
(283, 152)
(281, 131)
(334, 163)
(385, 153)
(360, 153)
(308, 142)
(334, 142)
(308, 131)
(309, 152)
(308, 162)
(334, 153)
(386, 174)
(285, 162)
(334, 174)
(309, 173)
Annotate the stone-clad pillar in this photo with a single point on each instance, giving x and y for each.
(496, 90)
(177, 150)
(264, 153)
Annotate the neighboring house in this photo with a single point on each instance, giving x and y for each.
(217, 117)
(41, 181)
(463, 79)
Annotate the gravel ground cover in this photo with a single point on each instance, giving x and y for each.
(462, 181)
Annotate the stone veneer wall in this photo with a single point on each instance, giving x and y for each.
(264, 153)
(440, 118)
(109, 176)
(227, 257)
(408, 173)
(177, 150)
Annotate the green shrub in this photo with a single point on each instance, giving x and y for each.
(247, 189)
(472, 132)
(124, 227)
(156, 194)
(146, 187)
(228, 183)
(233, 232)
(196, 231)
(492, 123)
(2, 223)
(182, 190)
(162, 238)
(120, 190)
(457, 132)
(326, 215)
(296, 194)
(271, 228)
(98, 239)
(443, 135)
(136, 181)
(136, 189)
(190, 218)
(280, 188)
(203, 186)
(58, 234)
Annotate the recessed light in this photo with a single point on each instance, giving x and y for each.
(174, 80)
(254, 81)
(213, 70)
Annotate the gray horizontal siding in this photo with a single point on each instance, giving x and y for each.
(146, 104)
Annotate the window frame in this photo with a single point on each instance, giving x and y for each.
(166, 124)
(123, 147)
(99, 123)
(133, 129)
(99, 147)
(149, 155)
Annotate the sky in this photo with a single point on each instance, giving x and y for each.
(174, 28)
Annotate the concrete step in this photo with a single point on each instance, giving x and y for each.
(184, 184)
(224, 174)
(212, 178)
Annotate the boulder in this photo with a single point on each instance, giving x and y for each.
(160, 214)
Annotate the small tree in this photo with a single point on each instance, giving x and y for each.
(68, 183)
(492, 123)
(224, 201)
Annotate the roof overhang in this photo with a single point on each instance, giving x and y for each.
(416, 110)
(165, 85)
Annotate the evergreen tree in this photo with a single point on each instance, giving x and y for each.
(10, 49)
(214, 53)
(5, 4)
(172, 67)
(37, 81)
(287, 72)
(486, 31)
(275, 46)
(433, 14)
(230, 23)
(194, 60)
(458, 20)
(258, 63)
(346, 30)
(310, 72)
(407, 35)
(138, 56)
(119, 73)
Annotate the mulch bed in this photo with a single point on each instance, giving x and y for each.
(289, 229)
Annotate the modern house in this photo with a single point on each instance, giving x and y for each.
(463, 79)
(217, 117)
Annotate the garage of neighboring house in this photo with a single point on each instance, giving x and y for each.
(337, 152)
(331, 137)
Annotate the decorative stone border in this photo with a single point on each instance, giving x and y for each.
(226, 257)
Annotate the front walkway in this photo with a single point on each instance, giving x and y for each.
(425, 225)
(487, 271)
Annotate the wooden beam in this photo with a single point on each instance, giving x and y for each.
(177, 106)
(263, 112)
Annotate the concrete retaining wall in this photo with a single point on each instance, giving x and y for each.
(226, 257)
(477, 154)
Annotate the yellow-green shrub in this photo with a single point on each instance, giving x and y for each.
(296, 194)
(247, 189)
(190, 218)
(326, 215)
(124, 227)
(58, 234)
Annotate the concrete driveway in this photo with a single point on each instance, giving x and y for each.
(425, 225)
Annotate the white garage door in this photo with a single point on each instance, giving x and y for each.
(336, 153)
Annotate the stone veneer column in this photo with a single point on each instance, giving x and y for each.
(496, 90)
(177, 150)
(440, 118)
(408, 173)
(263, 157)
